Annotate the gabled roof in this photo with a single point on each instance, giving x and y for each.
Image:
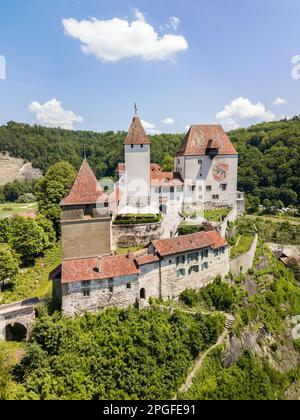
(201, 137)
(191, 242)
(85, 190)
(77, 270)
(166, 179)
(136, 133)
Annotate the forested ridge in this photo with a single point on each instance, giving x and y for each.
(269, 153)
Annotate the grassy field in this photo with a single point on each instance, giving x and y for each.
(243, 245)
(216, 215)
(124, 251)
(9, 209)
(34, 281)
(276, 219)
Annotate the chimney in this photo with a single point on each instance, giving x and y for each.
(100, 265)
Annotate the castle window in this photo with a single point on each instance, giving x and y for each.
(142, 146)
(86, 283)
(111, 289)
(128, 285)
(223, 187)
(180, 260)
(178, 161)
(132, 146)
(86, 293)
(194, 269)
(105, 204)
(204, 254)
(208, 188)
(200, 162)
(204, 266)
(215, 197)
(181, 272)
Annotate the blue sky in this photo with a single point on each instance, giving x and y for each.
(234, 53)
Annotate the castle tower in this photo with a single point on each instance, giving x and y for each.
(86, 218)
(137, 166)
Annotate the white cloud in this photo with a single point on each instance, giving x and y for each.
(280, 101)
(117, 39)
(52, 114)
(150, 128)
(241, 109)
(174, 22)
(139, 15)
(168, 120)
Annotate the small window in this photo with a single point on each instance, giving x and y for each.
(86, 283)
(128, 285)
(132, 146)
(208, 188)
(86, 293)
(199, 161)
(181, 272)
(215, 197)
(194, 269)
(178, 161)
(172, 189)
(105, 204)
(111, 289)
(204, 266)
(223, 187)
(204, 254)
(142, 146)
(170, 261)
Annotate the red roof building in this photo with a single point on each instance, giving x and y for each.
(201, 138)
(86, 189)
(136, 134)
(181, 244)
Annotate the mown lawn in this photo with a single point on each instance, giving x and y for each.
(8, 209)
(124, 251)
(243, 245)
(216, 215)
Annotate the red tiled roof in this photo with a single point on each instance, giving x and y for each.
(136, 133)
(74, 271)
(200, 137)
(147, 259)
(189, 243)
(86, 189)
(161, 179)
(154, 168)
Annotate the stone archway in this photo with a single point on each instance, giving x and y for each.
(15, 332)
(143, 293)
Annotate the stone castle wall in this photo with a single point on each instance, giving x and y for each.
(135, 235)
(244, 262)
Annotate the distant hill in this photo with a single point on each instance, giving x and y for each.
(12, 169)
(269, 153)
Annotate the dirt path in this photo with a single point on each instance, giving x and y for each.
(201, 358)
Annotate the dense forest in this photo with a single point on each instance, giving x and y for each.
(118, 354)
(269, 153)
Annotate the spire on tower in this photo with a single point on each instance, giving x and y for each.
(135, 109)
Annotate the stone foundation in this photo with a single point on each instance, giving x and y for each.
(135, 235)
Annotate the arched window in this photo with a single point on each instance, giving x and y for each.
(143, 294)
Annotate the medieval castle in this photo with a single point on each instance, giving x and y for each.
(92, 276)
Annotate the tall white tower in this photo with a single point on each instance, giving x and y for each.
(137, 167)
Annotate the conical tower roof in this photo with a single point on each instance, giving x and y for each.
(136, 134)
(85, 190)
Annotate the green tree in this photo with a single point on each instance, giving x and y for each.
(9, 263)
(28, 238)
(168, 164)
(52, 188)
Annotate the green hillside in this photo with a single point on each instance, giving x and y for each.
(269, 153)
